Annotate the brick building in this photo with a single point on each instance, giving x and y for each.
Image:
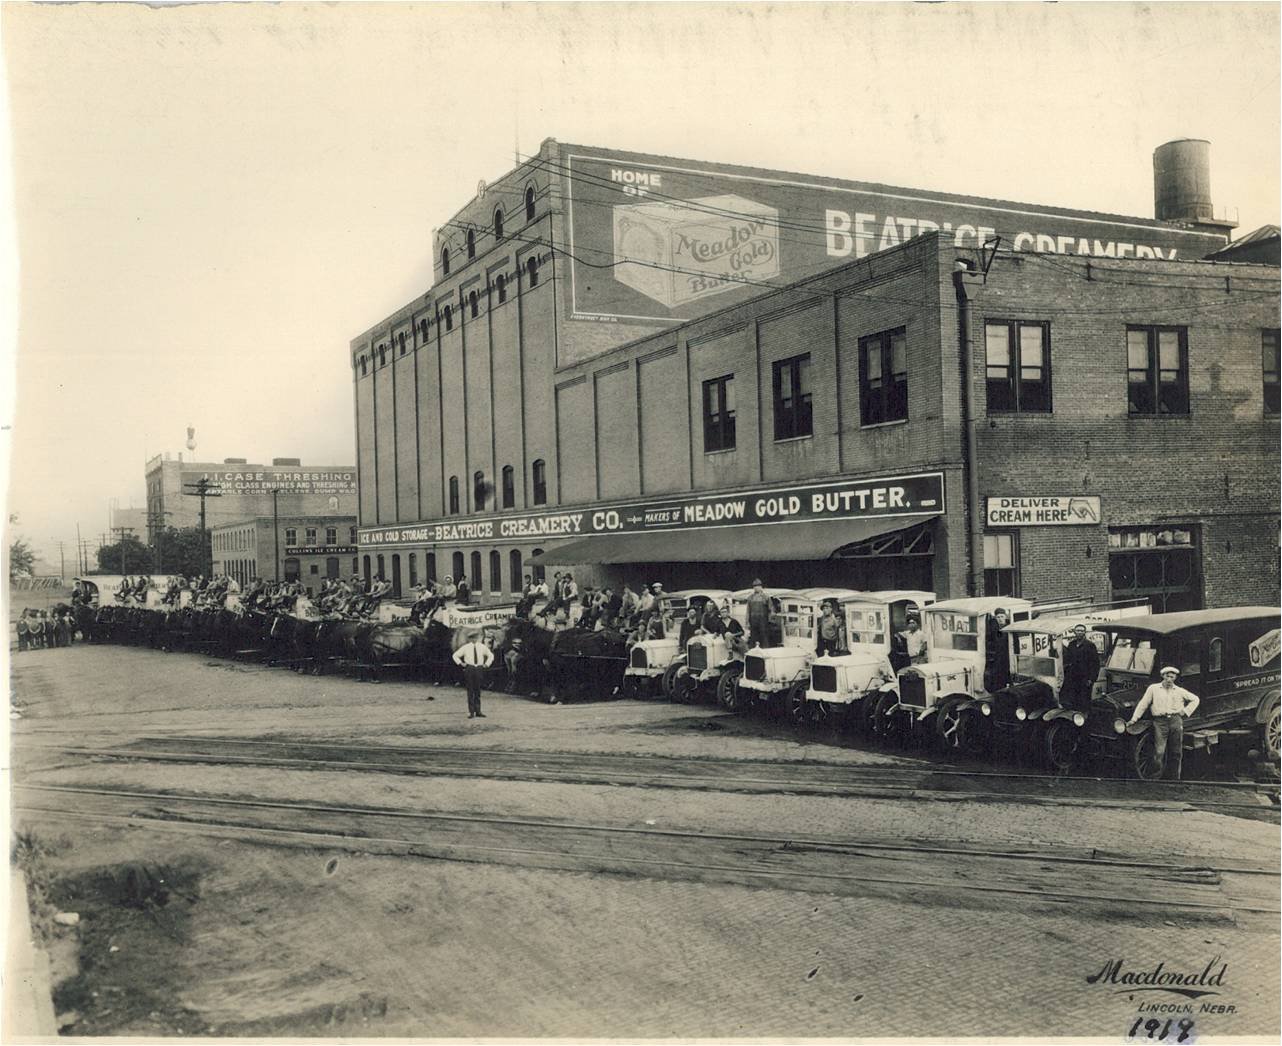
(310, 548)
(1119, 435)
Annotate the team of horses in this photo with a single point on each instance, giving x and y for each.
(531, 656)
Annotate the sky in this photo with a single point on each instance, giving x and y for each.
(205, 203)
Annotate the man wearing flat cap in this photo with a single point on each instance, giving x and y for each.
(758, 615)
(1169, 705)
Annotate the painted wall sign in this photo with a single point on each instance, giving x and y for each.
(921, 494)
(286, 480)
(319, 550)
(660, 241)
(1043, 512)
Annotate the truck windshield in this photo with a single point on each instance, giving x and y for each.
(1132, 656)
(949, 631)
(1035, 655)
(867, 627)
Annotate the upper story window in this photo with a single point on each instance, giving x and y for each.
(472, 306)
(454, 495)
(529, 203)
(883, 377)
(422, 329)
(532, 271)
(1157, 370)
(792, 397)
(1269, 342)
(500, 285)
(352, 532)
(311, 535)
(445, 261)
(291, 536)
(331, 535)
(400, 338)
(718, 414)
(449, 318)
(478, 491)
(509, 487)
(539, 480)
(498, 223)
(1018, 366)
(382, 355)
(364, 369)
(471, 244)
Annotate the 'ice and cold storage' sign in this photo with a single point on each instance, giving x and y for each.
(654, 240)
(921, 494)
(1043, 512)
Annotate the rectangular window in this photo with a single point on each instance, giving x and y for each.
(1018, 366)
(718, 414)
(331, 535)
(1001, 565)
(314, 568)
(1270, 349)
(883, 378)
(291, 536)
(311, 535)
(1157, 370)
(792, 398)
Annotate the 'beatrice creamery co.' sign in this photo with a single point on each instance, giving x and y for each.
(921, 494)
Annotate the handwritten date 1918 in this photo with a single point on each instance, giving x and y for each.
(1154, 1030)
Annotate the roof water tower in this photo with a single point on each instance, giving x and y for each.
(1182, 185)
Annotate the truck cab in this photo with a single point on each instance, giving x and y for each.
(653, 663)
(964, 656)
(846, 681)
(1228, 657)
(774, 670)
(711, 662)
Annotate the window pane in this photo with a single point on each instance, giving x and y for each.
(898, 354)
(727, 395)
(997, 342)
(1137, 350)
(803, 374)
(1168, 350)
(873, 370)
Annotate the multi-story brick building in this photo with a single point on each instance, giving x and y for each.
(1118, 433)
(291, 548)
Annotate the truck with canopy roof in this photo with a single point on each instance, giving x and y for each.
(654, 663)
(711, 663)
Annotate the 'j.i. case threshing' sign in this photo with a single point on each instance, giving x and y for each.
(1043, 512)
(920, 494)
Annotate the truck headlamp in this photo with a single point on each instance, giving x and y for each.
(1079, 719)
(1021, 713)
(986, 709)
(1119, 726)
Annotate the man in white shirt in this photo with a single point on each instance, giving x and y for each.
(475, 657)
(1168, 704)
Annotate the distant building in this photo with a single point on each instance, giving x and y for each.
(133, 519)
(311, 548)
(246, 491)
(1264, 246)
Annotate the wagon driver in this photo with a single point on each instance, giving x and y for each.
(1168, 704)
(1081, 669)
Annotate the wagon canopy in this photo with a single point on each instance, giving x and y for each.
(816, 539)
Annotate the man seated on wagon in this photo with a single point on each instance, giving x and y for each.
(125, 588)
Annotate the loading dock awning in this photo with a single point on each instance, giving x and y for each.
(817, 539)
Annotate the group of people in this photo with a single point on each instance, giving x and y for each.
(38, 629)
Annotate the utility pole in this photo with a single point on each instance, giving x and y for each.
(276, 531)
(80, 552)
(156, 524)
(62, 561)
(202, 489)
(123, 556)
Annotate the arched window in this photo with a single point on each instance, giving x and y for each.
(449, 318)
(539, 573)
(458, 567)
(454, 495)
(401, 340)
(471, 304)
(498, 223)
(540, 482)
(382, 355)
(356, 565)
(532, 271)
(429, 568)
(509, 487)
(364, 368)
(496, 571)
(471, 244)
(476, 581)
(413, 569)
(529, 203)
(396, 575)
(514, 570)
(422, 330)
(445, 261)
(382, 568)
(500, 285)
(478, 491)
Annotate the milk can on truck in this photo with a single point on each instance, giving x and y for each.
(848, 686)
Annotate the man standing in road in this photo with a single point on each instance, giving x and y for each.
(475, 657)
(758, 615)
(1168, 704)
(1081, 669)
